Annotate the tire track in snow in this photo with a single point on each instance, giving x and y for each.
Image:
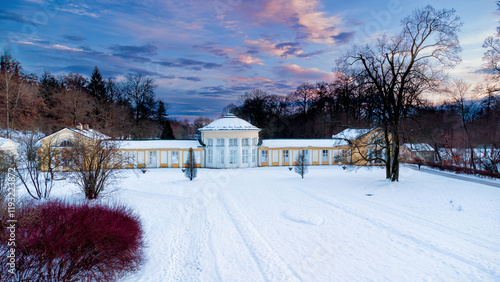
(186, 246)
(272, 267)
(475, 262)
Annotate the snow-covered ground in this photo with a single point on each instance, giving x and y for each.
(268, 224)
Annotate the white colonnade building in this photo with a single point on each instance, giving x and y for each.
(230, 142)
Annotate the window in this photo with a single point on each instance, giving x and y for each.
(220, 157)
(140, 157)
(253, 155)
(232, 156)
(344, 157)
(210, 157)
(254, 141)
(285, 156)
(130, 157)
(66, 143)
(197, 157)
(152, 158)
(244, 156)
(375, 156)
(175, 157)
(306, 154)
(210, 142)
(220, 142)
(244, 142)
(233, 142)
(325, 156)
(264, 156)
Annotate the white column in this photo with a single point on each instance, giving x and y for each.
(239, 152)
(226, 152)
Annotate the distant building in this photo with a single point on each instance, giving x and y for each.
(231, 142)
(8, 146)
(417, 152)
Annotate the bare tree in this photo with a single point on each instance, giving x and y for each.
(492, 55)
(139, 90)
(301, 166)
(35, 166)
(191, 170)
(400, 68)
(468, 111)
(94, 162)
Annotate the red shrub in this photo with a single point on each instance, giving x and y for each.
(57, 241)
(464, 170)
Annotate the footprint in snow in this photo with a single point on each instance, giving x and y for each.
(301, 216)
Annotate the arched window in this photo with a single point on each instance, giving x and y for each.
(66, 143)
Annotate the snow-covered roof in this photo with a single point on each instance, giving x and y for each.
(351, 133)
(4, 141)
(158, 144)
(229, 122)
(301, 143)
(90, 134)
(419, 147)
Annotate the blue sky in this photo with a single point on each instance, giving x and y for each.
(205, 54)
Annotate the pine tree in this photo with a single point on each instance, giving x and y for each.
(191, 170)
(97, 86)
(161, 117)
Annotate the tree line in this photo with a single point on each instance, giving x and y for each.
(384, 84)
(122, 109)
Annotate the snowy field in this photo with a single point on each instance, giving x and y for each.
(267, 224)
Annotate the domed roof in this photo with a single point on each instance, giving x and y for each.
(229, 122)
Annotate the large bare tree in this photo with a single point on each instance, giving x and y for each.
(402, 67)
(95, 164)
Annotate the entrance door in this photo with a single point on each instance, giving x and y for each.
(152, 159)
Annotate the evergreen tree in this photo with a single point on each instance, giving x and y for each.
(97, 86)
(191, 170)
(161, 117)
(48, 87)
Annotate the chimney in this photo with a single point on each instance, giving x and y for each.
(86, 126)
(79, 126)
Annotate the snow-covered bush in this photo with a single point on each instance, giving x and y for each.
(58, 241)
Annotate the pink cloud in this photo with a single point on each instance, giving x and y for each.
(305, 15)
(278, 49)
(304, 74)
(247, 59)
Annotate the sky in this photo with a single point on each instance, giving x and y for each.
(204, 55)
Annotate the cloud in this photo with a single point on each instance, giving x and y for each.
(74, 38)
(311, 54)
(296, 72)
(343, 37)
(249, 79)
(303, 16)
(46, 45)
(278, 49)
(191, 78)
(134, 53)
(188, 64)
(15, 17)
(81, 10)
(248, 59)
(215, 50)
